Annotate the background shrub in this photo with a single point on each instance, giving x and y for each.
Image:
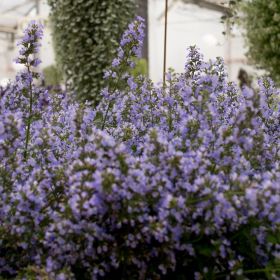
(261, 22)
(85, 36)
(52, 76)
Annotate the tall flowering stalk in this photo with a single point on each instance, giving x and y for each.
(29, 47)
(130, 47)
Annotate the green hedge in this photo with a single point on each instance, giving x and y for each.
(86, 34)
(262, 25)
(261, 22)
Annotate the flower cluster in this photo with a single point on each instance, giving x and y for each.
(172, 181)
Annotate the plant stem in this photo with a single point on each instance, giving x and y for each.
(27, 136)
(106, 115)
(113, 91)
(109, 105)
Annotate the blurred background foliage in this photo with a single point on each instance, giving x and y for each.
(260, 20)
(52, 76)
(141, 67)
(86, 34)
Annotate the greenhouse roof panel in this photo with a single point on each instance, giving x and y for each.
(12, 11)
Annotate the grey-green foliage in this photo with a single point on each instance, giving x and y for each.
(52, 75)
(141, 67)
(86, 35)
(261, 21)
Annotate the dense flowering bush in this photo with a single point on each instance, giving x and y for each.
(173, 181)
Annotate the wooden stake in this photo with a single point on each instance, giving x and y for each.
(165, 41)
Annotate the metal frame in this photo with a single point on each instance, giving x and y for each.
(205, 4)
(8, 29)
(201, 3)
(209, 5)
(13, 29)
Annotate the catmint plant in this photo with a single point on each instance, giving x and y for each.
(29, 47)
(173, 181)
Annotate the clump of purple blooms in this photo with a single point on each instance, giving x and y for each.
(173, 181)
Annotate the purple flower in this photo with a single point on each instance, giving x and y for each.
(153, 179)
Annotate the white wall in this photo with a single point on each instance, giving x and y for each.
(188, 25)
(9, 50)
